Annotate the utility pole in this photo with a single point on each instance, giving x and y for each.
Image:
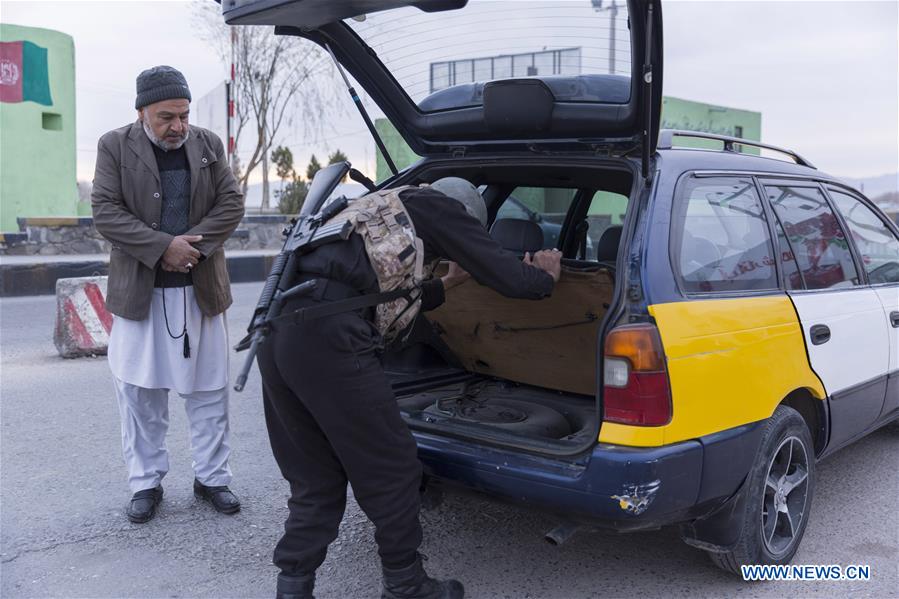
(613, 16)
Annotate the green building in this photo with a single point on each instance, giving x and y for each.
(708, 118)
(37, 124)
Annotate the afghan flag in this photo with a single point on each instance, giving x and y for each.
(23, 73)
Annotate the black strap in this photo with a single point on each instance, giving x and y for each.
(339, 306)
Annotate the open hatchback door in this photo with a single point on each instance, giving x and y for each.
(547, 106)
(457, 77)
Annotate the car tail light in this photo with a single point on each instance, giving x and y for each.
(635, 378)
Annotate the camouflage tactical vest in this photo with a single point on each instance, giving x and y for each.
(396, 254)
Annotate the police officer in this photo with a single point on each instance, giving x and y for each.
(330, 410)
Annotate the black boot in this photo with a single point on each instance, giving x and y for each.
(297, 586)
(412, 582)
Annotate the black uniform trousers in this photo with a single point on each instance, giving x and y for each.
(332, 417)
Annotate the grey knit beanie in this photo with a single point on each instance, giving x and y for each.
(160, 83)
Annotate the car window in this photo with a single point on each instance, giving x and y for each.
(820, 247)
(607, 209)
(544, 206)
(720, 237)
(878, 248)
(792, 276)
(442, 59)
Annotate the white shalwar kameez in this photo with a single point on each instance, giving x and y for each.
(146, 362)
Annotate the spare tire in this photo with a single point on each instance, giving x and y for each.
(519, 417)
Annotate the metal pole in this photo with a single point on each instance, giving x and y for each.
(613, 15)
(371, 127)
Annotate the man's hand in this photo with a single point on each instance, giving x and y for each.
(181, 256)
(455, 275)
(549, 261)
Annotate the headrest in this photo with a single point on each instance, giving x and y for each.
(607, 248)
(517, 235)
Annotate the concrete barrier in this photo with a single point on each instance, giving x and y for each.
(82, 322)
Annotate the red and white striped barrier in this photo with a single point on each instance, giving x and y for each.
(82, 322)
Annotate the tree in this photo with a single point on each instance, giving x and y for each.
(283, 159)
(313, 168)
(277, 79)
(292, 195)
(335, 157)
(291, 198)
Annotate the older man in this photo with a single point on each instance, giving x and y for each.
(166, 199)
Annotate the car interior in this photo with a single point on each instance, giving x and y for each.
(491, 366)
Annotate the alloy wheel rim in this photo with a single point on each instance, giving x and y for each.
(786, 493)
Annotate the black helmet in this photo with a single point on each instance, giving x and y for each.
(463, 191)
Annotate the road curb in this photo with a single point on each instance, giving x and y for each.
(39, 277)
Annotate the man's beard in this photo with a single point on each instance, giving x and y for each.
(162, 144)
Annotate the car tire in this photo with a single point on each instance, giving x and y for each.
(782, 481)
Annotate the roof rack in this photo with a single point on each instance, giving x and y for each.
(666, 137)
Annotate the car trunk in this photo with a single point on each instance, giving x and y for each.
(510, 371)
(508, 367)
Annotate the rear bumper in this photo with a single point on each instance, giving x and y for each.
(627, 488)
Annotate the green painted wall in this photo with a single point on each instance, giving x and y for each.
(398, 149)
(676, 114)
(708, 118)
(37, 165)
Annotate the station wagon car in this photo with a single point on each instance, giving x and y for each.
(733, 320)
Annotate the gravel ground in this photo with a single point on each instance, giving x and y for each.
(63, 490)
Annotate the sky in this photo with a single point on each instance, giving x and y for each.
(824, 75)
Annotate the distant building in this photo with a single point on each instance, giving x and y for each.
(37, 124)
(564, 61)
(709, 118)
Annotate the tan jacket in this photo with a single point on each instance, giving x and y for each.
(127, 205)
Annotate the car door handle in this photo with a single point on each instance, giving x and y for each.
(894, 319)
(820, 333)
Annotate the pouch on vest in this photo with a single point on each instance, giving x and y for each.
(395, 253)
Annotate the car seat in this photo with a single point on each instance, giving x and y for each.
(517, 235)
(607, 247)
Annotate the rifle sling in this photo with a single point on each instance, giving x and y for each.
(339, 306)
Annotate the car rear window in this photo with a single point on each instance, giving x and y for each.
(582, 50)
(818, 242)
(720, 239)
(877, 247)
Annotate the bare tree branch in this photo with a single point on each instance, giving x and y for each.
(277, 78)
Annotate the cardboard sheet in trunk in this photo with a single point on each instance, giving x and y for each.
(548, 343)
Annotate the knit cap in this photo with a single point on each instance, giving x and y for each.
(160, 83)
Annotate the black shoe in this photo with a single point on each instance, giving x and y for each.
(221, 498)
(297, 586)
(143, 505)
(412, 582)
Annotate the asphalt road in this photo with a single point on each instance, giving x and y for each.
(63, 490)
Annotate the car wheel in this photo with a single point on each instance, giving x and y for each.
(780, 487)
